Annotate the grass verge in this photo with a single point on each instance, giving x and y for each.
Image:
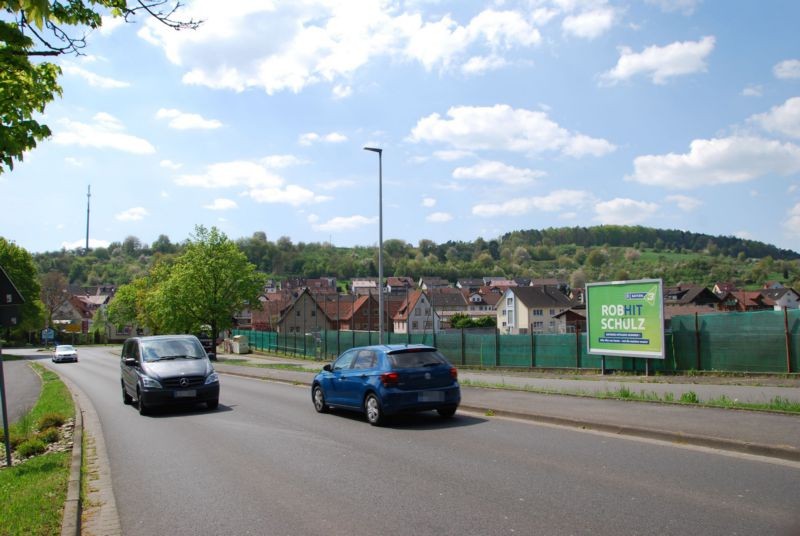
(32, 494)
(776, 405)
(278, 366)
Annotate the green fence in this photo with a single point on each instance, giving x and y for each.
(765, 341)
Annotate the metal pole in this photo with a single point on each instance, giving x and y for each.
(380, 240)
(6, 433)
(88, 199)
(788, 340)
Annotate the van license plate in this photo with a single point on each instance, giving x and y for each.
(186, 394)
(431, 396)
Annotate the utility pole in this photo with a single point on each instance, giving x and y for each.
(88, 199)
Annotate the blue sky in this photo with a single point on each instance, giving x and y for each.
(493, 117)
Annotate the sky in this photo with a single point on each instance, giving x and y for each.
(492, 116)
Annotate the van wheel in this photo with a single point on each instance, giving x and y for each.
(212, 404)
(143, 410)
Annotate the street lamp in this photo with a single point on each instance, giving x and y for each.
(380, 240)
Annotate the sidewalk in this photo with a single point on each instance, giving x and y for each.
(760, 433)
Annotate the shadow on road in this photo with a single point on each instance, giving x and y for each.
(428, 420)
(162, 412)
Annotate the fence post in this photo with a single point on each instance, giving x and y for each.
(577, 348)
(496, 347)
(788, 340)
(463, 349)
(533, 350)
(697, 341)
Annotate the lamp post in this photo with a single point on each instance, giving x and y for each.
(380, 240)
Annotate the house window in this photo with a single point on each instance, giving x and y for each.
(313, 313)
(552, 312)
(538, 312)
(414, 325)
(427, 311)
(417, 312)
(538, 325)
(297, 313)
(509, 301)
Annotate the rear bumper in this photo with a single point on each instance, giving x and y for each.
(401, 401)
(168, 397)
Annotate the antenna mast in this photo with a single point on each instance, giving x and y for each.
(88, 199)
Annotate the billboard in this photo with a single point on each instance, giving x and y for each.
(625, 318)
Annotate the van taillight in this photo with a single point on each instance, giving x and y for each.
(390, 379)
(454, 372)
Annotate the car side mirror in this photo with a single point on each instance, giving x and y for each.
(327, 368)
(130, 362)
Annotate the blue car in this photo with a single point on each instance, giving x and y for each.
(384, 380)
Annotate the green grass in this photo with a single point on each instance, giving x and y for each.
(279, 366)
(776, 405)
(32, 494)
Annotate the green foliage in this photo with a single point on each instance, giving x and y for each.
(49, 420)
(689, 397)
(19, 266)
(31, 447)
(49, 435)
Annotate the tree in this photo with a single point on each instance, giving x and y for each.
(54, 293)
(43, 28)
(209, 282)
(19, 266)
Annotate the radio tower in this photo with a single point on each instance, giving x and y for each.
(88, 198)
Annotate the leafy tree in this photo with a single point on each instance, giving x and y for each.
(19, 266)
(45, 28)
(208, 283)
(54, 293)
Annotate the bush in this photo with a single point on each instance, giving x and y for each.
(51, 420)
(14, 439)
(49, 435)
(689, 397)
(31, 447)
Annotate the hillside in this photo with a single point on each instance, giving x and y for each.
(573, 254)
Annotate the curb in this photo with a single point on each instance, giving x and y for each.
(71, 520)
(756, 449)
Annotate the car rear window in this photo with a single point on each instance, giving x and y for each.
(424, 358)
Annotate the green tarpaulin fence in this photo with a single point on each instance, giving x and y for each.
(764, 341)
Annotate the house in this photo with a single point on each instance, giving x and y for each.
(304, 315)
(472, 285)
(11, 301)
(483, 302)
(428, 283)
(273, 304)
(74, 315)
(399, 285)
(530, 310)
(499, 282)
(364, 286)
(448, 302)
(690, 295)
(416, 315)
(781, 298)
(743, 301)
(722, 288)
(572, 320)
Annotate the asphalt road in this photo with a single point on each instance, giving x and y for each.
(22, 387)
(266, 463)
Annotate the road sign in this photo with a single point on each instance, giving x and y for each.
(48, 334)
(626, 318)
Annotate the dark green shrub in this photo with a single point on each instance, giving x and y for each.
(50, 435)
(51, 420)
(31, 447)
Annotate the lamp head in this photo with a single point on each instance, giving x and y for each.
(373, 149)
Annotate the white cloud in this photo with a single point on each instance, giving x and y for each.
(222, 204)
(792, 222)
(684, 202)
(344, 223)
(290, 195)
(556, 201)
(589, 24)
(169, 164)
(744, 235)
(132, 214)
(500, 127)
(336, 184)
(753, 91)
(310, 138)
(109, 24)
(280, 161)
(481, 64)
(787, 69)
(105, 132)
(80, 244)
(624, 211)
(94, 80)
(185, 121)
(449, 156)
(72, 161)
(428, 202)
(341, 91)
(498, 172)
(439, 217)
(322, 41)
(662, 63)
(783, 119)
(686, 7)
(231, 174)
(718, 161)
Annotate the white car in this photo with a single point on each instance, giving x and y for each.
(65, 352)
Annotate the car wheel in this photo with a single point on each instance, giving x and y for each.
(126, 398)
(212, 404)
(143, 409)
(319, 400)
(446, 412)
(372, 408)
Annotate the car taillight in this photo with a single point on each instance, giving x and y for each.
(390, 379)
(454, 372)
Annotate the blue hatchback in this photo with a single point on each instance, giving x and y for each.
(388, 379)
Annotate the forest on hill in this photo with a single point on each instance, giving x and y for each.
(572, 254)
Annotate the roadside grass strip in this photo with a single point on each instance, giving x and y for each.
(776, 405)
(33, 491)
(277, 366)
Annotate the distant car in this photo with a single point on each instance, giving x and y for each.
(64, 352)
(167, 370)
(384, 380)
(209, 345)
